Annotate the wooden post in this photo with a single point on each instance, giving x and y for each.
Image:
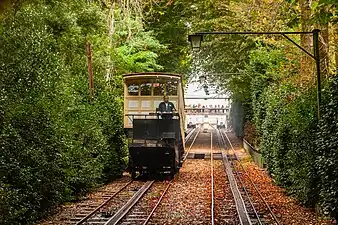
(90, 71)
(335, 41)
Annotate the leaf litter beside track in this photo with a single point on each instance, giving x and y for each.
(288, 210)
(69, 210)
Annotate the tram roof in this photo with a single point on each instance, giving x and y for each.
(152, 74)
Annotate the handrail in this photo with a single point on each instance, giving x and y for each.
(252, 148)
(157, 114)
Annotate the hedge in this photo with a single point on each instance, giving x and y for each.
(300, 152)
(55, 143)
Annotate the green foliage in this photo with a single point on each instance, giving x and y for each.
(139, 53)
(168, 21)
(30, 150)
(327, 150)
(258, 74)
(299, 155)
(55, 143)
(31, 178)
(287, 141)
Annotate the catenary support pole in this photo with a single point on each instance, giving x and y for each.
(317, 58)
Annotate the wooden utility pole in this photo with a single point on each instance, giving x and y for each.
(335, 33)
(90, 71)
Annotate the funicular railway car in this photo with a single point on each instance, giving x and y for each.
(221, 122)
(191, 124)
(156, 138)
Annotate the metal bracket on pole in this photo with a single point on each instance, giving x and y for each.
(315, 56)
(300, 47)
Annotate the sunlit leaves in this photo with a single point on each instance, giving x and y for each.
(140, 53)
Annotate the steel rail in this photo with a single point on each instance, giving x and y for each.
(188, 131)
(103, 204)
(187, 152)
(157, 204)
(212, 184)
(245, 190)
(239, 202)
(254, 185)
(167, 188)
(117, 217)
(189, 135)
(247, 194)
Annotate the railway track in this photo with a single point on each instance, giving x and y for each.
(241, 207)
(133, 204)
(142, 211)
(248, 209)
(190, 141)
(230, 198)
(212, 178)
(212, 181)
(108, 209)
(88, 212)
(223, 203)
(112, 211)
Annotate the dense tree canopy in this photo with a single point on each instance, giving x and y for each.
(57, 143)
(270, 77)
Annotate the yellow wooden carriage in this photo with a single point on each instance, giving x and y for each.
(156, 144)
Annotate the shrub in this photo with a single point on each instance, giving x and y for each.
(300, 153)
(327, 150)
(55, 143)
(288, 141)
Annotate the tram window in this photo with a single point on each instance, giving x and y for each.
(133, 89)
(172, 87)
(158, 89)
(146, 89)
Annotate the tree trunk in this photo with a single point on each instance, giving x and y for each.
(111, 31)
(111, 21)
(4, 6)
(307, 75)
(324, 49)
(90, 71)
